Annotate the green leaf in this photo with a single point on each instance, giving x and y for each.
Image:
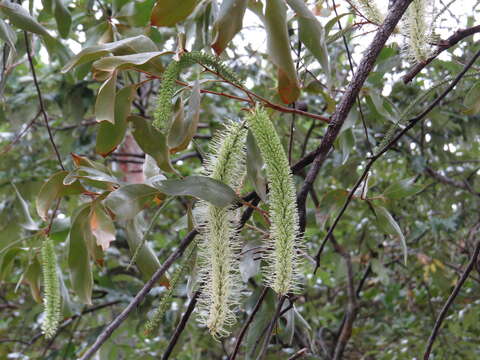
(254, 167)
(278, 44)
(228, 23)
(184, 128)
(202, 187)
(129, 200)
(402, 189)
(112, 63)
(146, 260)
(79, 264)
(92, 177)
(312, 34)
(54, 189)
(105, 103)
(26, 220)
(132, 45)
(32, 276)
(102, 227)
(20, 17)
(171, 12)
(472, 100)
(109, 135)
(63, 18)
(388, 225)
(152, 142)
(7, 34)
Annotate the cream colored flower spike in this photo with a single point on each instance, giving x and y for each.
(219, 247)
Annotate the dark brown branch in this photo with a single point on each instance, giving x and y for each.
(268, 336)
(40, 100)
(345, 331)
(247, 323)
(412, 122)
(449, 302)
(348, 99)
(108, 331)
(181, 326)
(451, 182)
(298, 354)
(17, 138)
(443, 45)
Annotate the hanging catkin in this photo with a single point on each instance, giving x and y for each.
(219, 247)
(51, 285)
(282, 258)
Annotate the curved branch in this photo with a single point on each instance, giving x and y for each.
(443, 45)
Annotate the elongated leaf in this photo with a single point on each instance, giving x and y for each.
(152, 142)
(171, 12)
(146, 261)
(133, 45)
(129, 200)
(102, 226)
(228, 23)
(278, 44)
(109, 135)
(254, 167)
(105, 103)
(26, 220)
(123, 62)
(32, 277)
(54, 189)
(184, 128)
(472, 100)
(402, 189)
(20, 18)
(63, 18)
(387, 223)
(7, 34)
(312, 34)
(79, 264)
(202, 187)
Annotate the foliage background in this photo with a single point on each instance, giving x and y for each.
(428, 182)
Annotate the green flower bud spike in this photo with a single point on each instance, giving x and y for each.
(282, 260)
(419, 34)
(51, 283)
(163, 113)
(219, 248)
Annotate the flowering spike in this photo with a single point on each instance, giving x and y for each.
(51, 297)
(163, 113)
(282, 260)
(418, 32)
(218, 253)
(370, 10)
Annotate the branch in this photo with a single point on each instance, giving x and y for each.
(268, 336)
(108, 331)
(181, 326)
(40, 100)
(412, 122)
(348, 99)
(247, 323)
(443, 45)
(450, 300)
(448, 181)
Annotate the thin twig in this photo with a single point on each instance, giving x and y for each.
(40, 100)
(268, 336)
(443, 45)
(247, 323)
(348, 99)
(410, 124)
(449, 302)
(108, 331)
(181, 326)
